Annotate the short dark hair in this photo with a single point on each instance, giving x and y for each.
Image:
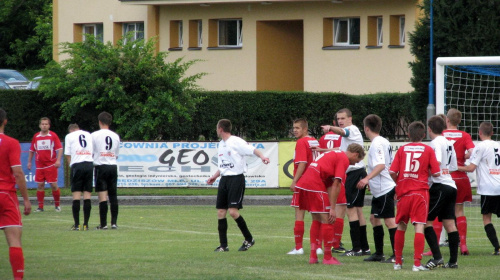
(416, 131)
(436, 124)
(3, 116)
(346, 111)
(303, 122)
(225, 124)
(43, 119)
(486, 128)
(373, 122)
(105, 118)
(455, 116)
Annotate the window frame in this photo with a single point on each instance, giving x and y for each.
(337, 31)
(136, 24)
(380, 31)
(402, 30)
(96, 28)
(239, 33)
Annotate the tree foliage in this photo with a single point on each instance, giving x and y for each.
(144, 93)
(25, 33)
(461, 28)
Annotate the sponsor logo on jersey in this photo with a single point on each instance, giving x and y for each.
(107, 154)
(332, 137)
(313, 143)
(43, 145)
(83, 153)
(414, 148)
(452, 135)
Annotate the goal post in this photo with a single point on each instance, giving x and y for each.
(471, 85)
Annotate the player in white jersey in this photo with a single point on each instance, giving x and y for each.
(232, 164)
(381, 186)
(106, 150)
(442, 196)
(355, 196)
(485, 160)
(78, 149)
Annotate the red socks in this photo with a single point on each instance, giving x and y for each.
(399, 244)
(462, 229)
(57, 197)
(298, 231)
(338, 228)
(327, 233)
(17, 261)
(40, 196)
(315, 233)
(438, 227)
(418, 246)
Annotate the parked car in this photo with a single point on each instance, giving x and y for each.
(16, 80)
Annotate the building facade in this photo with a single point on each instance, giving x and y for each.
(350, 46)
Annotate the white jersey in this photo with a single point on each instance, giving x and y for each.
(486, 156)
(78, 145)
(106, 147)
(380, 152)
(232, 154)
(447, 158)
(352, 135)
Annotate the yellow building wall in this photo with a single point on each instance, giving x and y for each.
(351, 71)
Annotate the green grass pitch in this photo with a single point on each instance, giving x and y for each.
(177, 242)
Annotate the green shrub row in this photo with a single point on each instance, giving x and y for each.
(255, 115)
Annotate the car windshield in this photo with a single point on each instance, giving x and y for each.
(11, 75)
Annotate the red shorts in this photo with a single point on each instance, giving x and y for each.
(341, 200)
(414, 206)
(314, 202)
(464, 191)
(46, 174)
(10, 216)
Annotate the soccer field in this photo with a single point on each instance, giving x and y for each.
(177, 242)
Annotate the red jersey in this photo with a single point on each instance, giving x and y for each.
(413, 162)
(330, 141)
(461, 142)
(10, 156)
(45, 148)
(321, 173)
(303, 152)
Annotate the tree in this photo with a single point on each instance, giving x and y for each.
(144, 93)
(461, 28)
(25, 33)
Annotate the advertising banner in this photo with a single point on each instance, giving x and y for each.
(188, 164)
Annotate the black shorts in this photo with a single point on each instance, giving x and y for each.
(81, 176)
(106, 177)
(355, 197)
(230, 192)
(442, 200)
(490, 204)
(383, 206)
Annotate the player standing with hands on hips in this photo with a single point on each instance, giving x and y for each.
(11, 174)
(106, 147)
(232, 164)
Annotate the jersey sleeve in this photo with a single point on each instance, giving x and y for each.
(379, 155)
(242, 147)
(395, 163)
(67, 145)
(477, 155)
(57, 142)
(437, 151)
(468, 142)
(434, 164)
(15, 154)
(341, 166)
(300, 152)
(33, 145)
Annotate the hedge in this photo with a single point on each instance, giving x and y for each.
(255, 115)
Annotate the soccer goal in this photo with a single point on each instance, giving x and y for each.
(471, 85)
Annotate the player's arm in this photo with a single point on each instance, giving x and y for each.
(394, 176)
(468, 168)
(21, 184)
(214, 177)
(301, 167)
(30, 158)
(363, 182)
(335, 129)
(59, 156)
(264, 159)
(469, 153)
(333, 193)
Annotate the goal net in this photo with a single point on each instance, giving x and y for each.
(471, 85)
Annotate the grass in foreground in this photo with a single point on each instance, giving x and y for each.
(177, 242)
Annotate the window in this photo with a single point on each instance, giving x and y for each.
(346, 31)
(375, 32)
(195, 34)
(95, 30)
(136, 29)
(398, 33)
(230, 34)
(176, 35)
(380, 31)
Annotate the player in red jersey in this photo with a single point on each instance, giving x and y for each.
(462, 142)
(48, 149)
(318, 190)
(331, 141)
(302, 157)
(11, 173)
(410, 170)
